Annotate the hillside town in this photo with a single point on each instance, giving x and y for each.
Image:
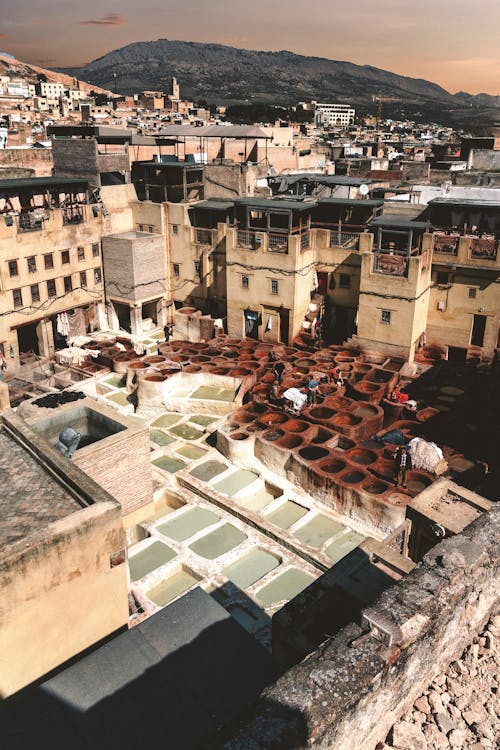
(249, 424)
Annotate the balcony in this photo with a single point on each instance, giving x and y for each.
(445, 243)
(464, 248)
(390, 264)
(72, 215)
(484, 248)
(203, 236)
(32, 221)
(347, 240)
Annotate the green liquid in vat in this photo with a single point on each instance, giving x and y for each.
(171, 588)
(287, 514)
(250, 568)
(284, 587)
(188, 523)
(218, 542)
(316, 531)
(148, 559)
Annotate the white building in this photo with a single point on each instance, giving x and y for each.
(50, 89)
(326, 115)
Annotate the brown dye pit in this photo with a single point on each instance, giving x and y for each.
(321, 412)
(272, 418)
(313, 453)
(374, 487)
(346, 420)
(219, 370)
(340, 403)
(365, 411)
(332, 467)
(230, 355)
(191, 368)
(239, 435)
(352, 477)
(244, 417)
(362, 456)
(155, 378)
(290, 441)
(381, 376)
(416, 482)
(365, 387)
(238, 372)
(154, 359)
(272, 435)
(322, 436)
(306, 362)
(138, 365)
(295, 425)
(268, 377)
(199, 358)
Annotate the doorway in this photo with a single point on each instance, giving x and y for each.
(478, 327)
(251, 324)
(27, 339)
(322, 283)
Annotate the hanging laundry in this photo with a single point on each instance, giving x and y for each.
(269, 324)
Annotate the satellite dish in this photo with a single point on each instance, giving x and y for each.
(364, 189)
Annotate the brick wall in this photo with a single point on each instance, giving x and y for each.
(124, 469)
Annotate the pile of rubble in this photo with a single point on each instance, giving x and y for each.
(460, 710)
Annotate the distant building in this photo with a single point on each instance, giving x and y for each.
(326, 115)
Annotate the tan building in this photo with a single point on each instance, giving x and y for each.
(63, 560)
(50, 260)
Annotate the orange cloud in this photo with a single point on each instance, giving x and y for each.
(112, 20)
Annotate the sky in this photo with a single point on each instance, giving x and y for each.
(455, 43)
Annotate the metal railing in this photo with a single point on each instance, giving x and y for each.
(447, 244)
(72, 215)
(348, 240)
(390, 264)
(245, 239)
(277, 243)
(305, 240)
(31, 221)
(203, 236)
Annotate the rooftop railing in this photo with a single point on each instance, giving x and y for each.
(390, 264)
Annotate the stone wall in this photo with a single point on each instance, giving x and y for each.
(348, 693)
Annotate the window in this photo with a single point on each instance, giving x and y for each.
(151, 229)
(83, 279)
(65, 256)
(442, 277)
(17, 296)
(95, 250)
(13, 268)
(48, 261)
(177, 270)
(51, 288)
(97, 276)
(35, 293)
(197, 268)
(81, 253)
(274, 286)
(68, 284)
(385, 317)
(141, 227)
(31, 264)
(345, 281)
(175, 229)
(244, 282)
(472, 293)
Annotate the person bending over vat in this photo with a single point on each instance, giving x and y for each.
(403, 464)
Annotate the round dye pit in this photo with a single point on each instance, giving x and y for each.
(238, 372)
(290, 441)
(352, 477)
(306, 362)
(365, 411)
(239, 435)
(362, 456)
(272, 418)
(380, 376)
(346, 420)
(154, 359)
(192, 368)
(313, 453)
(155, 378)
(366, 387)
(197, 359)
(321, 412)
(230, 355)
(322, 436)
(272, 435)
(416, 482)
(295, 425)
(374, 486)
(332, 467)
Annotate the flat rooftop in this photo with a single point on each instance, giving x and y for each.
(30, 498)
